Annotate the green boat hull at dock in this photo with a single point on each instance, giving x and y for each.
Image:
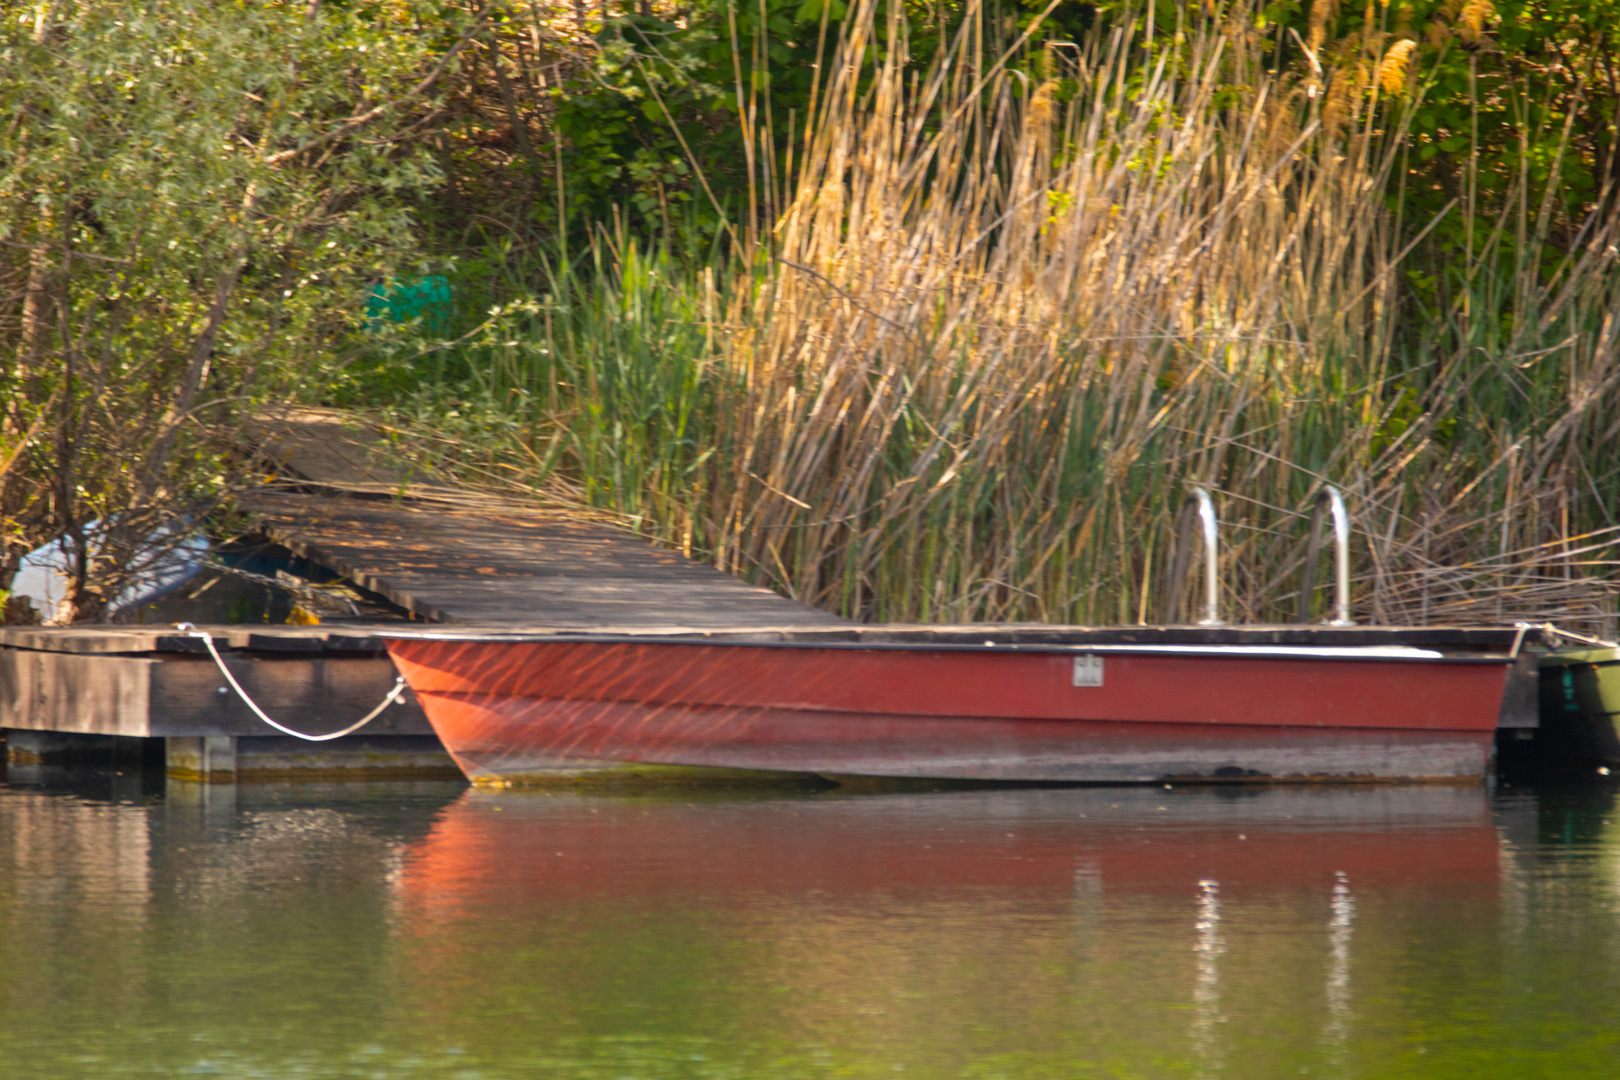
(1580, 708)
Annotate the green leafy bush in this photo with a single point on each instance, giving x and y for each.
(192, 197)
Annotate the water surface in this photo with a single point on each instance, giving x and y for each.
(432, 931)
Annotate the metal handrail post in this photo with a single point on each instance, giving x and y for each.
(1212, 590)
(1341, 543)
(1334, 503)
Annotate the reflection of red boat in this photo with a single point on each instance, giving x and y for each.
(510, 850)
(1037, 703)
(940, 928)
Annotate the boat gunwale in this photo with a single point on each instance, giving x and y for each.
(1327, 653)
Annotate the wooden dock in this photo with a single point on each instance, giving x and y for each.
(453, 565)
(64, 691)
(433, 552)
(450, 555)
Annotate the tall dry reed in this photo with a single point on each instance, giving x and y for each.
(1008, 320)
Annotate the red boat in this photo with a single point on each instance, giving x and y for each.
(1005, 703)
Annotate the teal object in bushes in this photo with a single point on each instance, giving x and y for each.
(429, 299)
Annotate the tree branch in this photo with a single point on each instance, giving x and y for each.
(362, 119)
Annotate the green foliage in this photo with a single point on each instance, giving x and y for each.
(691, 120)
(604, 378)
(1504, 95)
(192, 197)
(666, 95)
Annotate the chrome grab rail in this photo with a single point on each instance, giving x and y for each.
(1334, 502)
(1212, 590)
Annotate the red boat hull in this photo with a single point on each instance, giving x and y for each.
(533, 710)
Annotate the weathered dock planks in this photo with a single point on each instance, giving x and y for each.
(451, 555)
(449, 564)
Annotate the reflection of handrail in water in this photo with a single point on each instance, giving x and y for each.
(1207, 987)
(1340, 926)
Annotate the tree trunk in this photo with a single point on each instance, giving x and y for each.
(39, 302)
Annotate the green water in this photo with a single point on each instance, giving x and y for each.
(430, 931)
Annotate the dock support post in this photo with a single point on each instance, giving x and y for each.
(209, 759)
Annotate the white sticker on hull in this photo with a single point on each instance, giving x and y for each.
(1088, 670)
